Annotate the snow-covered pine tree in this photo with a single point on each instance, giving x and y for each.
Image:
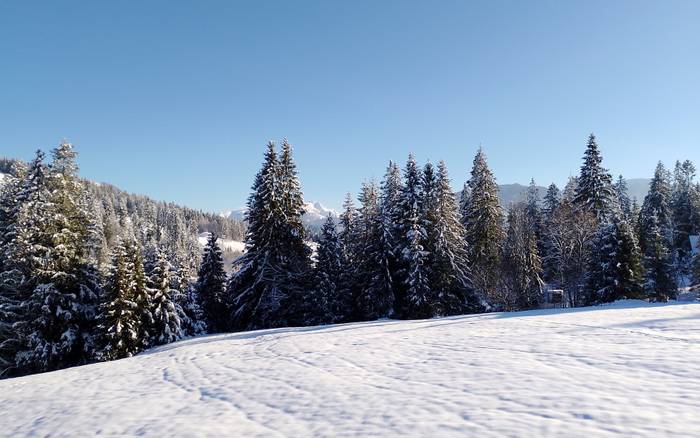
(386, 260)
(166, 326)
(348, 223)
(594, 190)
(414, 299)
(328, 303)
(656, 237)
(210, 288)
(187, 302)
(120, 320)
(347, 235)
(623, 200)
(267, 282)
(551, 201)
(614, 267)
(139, 292)
(659, 279)
(55, 231)
(534, 215)
(374, 279)
(464, 197)
(10, 294)
(293, 208)
(449, 267)
(483, 221)
(550, 204)
(681, 204)
(521, 282)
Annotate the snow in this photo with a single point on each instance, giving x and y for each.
(314, 216)
(2, 177)
(628, 369)
(225, 244)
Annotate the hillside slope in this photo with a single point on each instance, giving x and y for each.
(632, 369)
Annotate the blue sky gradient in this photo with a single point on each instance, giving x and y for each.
(176, 100)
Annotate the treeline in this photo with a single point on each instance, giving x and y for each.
(410, 249)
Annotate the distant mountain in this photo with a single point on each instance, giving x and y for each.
(314, 216)
(514, 193)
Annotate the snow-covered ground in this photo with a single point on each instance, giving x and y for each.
(630, 369)
(225, 244)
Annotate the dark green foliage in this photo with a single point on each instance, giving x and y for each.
(614, 268)
(594, 190)
(268, 284)
(482, 218)
(210, 288)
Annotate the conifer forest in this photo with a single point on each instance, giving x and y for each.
(89, 273)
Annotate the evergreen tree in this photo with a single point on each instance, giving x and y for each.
(56, 237)
(166, 318)
(623, 199)
(11, 200)
(682, 213)
(375, 295)
(483, 222)
(614, 268)
(120, 320)
(329, 302)
(187, 302)
(449, 267)
(656, 237)
(659, 281)
(551, 203)
(413, 294)
(594, 190)
(210, 288)
(656, 215)
(350, 256)
(268, 279)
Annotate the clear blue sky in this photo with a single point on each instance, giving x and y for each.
(176, 100)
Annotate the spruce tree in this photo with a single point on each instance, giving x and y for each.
(10, 295)
(656, 237)
(614, 267)
(623, 199)
(682, 213)
(120, 319)
(268, 280)
(483, 222)
(414, 297)
(449, 267)
(56, 234)
(329, 302)
(551, 203)
(210, 288)
(594, 190)
(166, 326)
(347, 236)
(374, 280)
(659, 280)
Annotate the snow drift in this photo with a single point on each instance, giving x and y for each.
(630, 368)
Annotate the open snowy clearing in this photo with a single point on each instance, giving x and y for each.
(631, 368)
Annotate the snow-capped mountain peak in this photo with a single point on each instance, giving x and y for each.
(315, 214)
